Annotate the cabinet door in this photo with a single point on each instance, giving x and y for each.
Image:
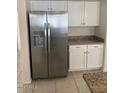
(77, 57)
(59, 5)
(40, 5)
(92, 13)
(75, 13)
(49, 5)
(94, 56)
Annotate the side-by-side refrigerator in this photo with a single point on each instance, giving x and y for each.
(48, 44)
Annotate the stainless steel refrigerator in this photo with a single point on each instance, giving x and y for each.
(48, 44)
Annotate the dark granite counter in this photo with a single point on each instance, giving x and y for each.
(79, 40)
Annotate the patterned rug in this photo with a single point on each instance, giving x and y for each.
(97, 82)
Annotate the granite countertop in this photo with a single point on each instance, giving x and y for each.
(79, 40)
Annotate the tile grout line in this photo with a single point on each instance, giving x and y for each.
(75, 83)
(55, 85)
(32, 90)
(34, 86)
(85, 82)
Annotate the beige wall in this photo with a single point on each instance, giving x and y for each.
(105, 61)
(24, 49)
(101, 31)
(80, 31)
(18, 37)
(27, 5)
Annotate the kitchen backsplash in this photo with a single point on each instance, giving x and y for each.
(81, 31)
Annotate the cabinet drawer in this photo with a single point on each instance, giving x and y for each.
(95, 46)
(78, 46)
(78, 49)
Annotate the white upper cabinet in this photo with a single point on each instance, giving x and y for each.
(91, 17)
(83, 13)
(59, 5)
(75, 13)
(39, 5)
(80, 13)
(49, 5)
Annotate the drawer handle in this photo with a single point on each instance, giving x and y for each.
(96, 46)
(77, 47)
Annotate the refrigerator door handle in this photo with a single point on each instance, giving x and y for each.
(45, 37)
(48, 38)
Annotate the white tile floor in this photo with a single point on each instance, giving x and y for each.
(73, 83)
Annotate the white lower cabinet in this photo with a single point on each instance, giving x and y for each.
(94, 56)
(84, 57)
(77, 57)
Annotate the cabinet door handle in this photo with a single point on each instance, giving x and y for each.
(88, 52)
(82, 20)
(84, 23)
(50, 9)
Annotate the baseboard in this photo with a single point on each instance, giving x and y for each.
(81, 69)
(77, 69)
(19, 84)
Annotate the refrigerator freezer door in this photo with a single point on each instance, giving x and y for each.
(57, 55)
(38, 38)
